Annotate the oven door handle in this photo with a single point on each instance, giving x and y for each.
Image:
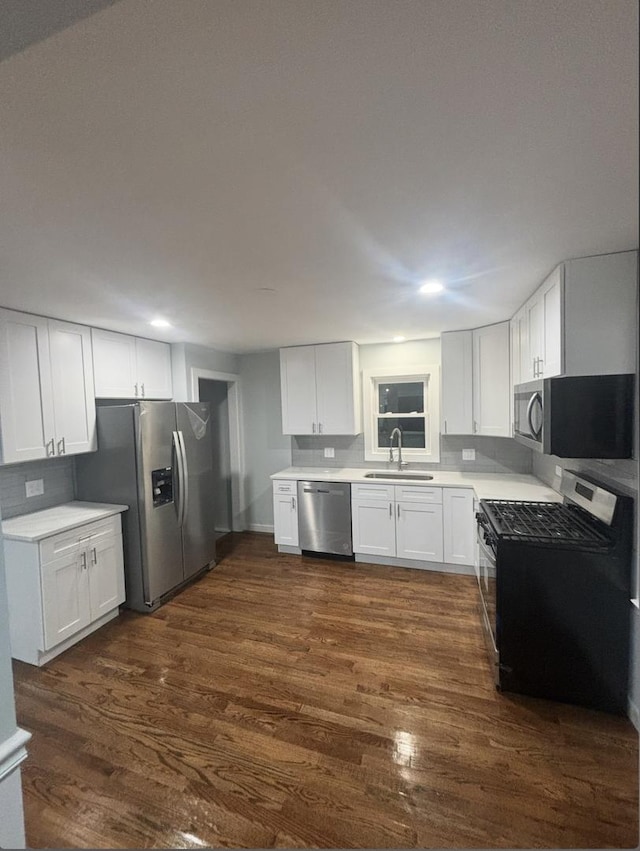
(535, 432)
(487, 550)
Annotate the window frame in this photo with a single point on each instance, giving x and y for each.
(430, 375)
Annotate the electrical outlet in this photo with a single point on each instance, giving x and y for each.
(329, 452)
(35, 487)
(468, 454)
(558, 471)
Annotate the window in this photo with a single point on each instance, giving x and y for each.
(407, 401)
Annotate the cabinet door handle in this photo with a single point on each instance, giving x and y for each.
(319, 428)
(61, 447)
(51, 450)
(313, 428)
(135, 389)
(83, 560)
(398, 507)
(390, 510)
(142, 389)
(94, 556)
(445, 426)
(475, 427)
(293, 503)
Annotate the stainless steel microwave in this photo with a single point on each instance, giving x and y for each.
(585, 416)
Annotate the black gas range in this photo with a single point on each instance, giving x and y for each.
(555, 588)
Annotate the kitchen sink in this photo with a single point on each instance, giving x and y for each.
(422, 477)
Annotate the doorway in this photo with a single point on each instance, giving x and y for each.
(216, 393)
(222, 392)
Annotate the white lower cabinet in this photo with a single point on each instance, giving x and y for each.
(459, 526)
(63, 587)
(285, 513)
(419, 531)
(397, 521)
(413, 522)
(373, 526)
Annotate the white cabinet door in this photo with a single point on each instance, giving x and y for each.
(338, 408)
(525, 361)
(534, 310)
(457, 382)
(106, 575)
(72, 382)
(65, 596)
(285, 519)
(26, 401)
(114, 365)
(153, 369)
(514, 336)
(298, 386)
(459, 526)
(551, 298)
(374, 527)
(419, 531)
(491, 380)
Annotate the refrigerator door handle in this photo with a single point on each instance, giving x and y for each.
(179, 476)
(184, 480)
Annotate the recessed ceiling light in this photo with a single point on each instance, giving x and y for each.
(160, 323)
(399, 339)
(431, 287)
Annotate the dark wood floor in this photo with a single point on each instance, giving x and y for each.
(296, 702)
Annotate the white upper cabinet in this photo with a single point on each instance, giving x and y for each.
(130, 367)
(537, 327)
(74, 410)
(320, 389)
(26, 408)
(47, 405)
(491, 381)
(153, 361)
(298, 388)
(457, 382)
(580, 321)
(476, 387)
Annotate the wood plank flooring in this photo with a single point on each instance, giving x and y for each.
(288, 702)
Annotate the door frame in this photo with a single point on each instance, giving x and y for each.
(234, 398)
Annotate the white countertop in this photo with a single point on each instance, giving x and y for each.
(61, 518)
(486, 485)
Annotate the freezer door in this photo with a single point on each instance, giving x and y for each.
(198, 530)
(161, 537)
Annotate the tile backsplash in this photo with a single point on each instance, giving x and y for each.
(58, 478)
(493, 454)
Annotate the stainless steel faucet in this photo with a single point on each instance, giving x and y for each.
(401, 463)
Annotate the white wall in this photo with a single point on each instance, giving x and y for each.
(266, 449)
(400, 354)
(184, 356)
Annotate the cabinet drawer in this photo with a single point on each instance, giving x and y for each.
(285, 487)
(372, 491)
(413, 493)
(65, 542)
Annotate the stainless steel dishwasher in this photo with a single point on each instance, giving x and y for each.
(324, 517)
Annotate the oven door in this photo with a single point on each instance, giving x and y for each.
(487, 582)
(528, 414)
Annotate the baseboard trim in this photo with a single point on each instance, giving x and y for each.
(13, 752)
(261, 527)
(285, 548)
(415, 564)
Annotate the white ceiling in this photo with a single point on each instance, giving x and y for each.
(176, 157)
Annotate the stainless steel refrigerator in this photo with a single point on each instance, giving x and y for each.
(155, 457)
